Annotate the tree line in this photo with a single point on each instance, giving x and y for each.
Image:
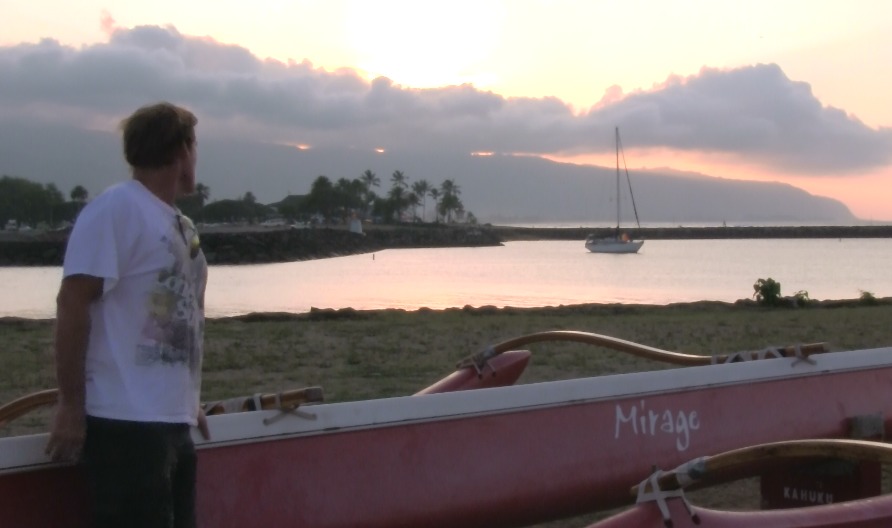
(36, 205)
(26, 203)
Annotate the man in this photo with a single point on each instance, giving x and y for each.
(129, 331)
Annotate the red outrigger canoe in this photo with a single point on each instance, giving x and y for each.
(865, 513)
(490, 457)
(661, 501)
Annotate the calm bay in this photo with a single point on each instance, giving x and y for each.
(518, 274)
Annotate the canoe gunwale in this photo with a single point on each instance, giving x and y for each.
(25, 453)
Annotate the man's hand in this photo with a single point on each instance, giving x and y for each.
(67, 434)
(203, 424)
(72, 334)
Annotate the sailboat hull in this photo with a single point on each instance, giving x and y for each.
(613, 245)
(498, 457)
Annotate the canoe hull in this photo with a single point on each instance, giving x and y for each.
(495, 457)
(501, 371)
(866, 513)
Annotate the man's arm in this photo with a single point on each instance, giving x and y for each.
(202, 418)
(72, 334)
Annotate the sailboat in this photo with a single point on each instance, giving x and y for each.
(619, 242)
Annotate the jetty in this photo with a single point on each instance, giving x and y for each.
(261, 244)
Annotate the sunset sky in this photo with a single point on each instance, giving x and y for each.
(796, 91)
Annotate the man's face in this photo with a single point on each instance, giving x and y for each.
(186, 182)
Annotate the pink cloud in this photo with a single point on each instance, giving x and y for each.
(107, 23)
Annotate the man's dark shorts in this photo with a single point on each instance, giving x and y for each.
(141, 474)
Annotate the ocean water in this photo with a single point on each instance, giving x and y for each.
(523, 274)
(520, 274)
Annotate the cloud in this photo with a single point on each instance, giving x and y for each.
(107, 22)
(755, 112)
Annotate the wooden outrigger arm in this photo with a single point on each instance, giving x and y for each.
(285, 401)
(749, 461)
(479, 359)
(26, 404)
(293, 398)
(660, 499)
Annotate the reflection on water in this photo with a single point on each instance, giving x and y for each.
(29, 292)
(522, 274)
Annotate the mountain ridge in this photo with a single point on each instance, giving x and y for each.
(496, 188)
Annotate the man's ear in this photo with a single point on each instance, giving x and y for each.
(183, 152)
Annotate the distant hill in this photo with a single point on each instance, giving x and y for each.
(497, 189)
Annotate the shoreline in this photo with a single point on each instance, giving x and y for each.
(697, 233)
(255, 244)
(322, 314)
(334, 314)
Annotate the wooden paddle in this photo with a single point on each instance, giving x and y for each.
(479, 359)
(286, 400)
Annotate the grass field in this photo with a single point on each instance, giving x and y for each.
(357, 355)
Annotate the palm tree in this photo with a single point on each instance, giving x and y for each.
(322, 200)
(79, 197)
(450, 203)
(203, 192)
(397, 198)
(397, 193)
(421, 188)
(348, 196)
(79, 194)
(450, 187)
(435, 194)
(413, 201)
(369, 180)
(399, 180)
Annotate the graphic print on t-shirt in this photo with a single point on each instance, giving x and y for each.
(172, 322)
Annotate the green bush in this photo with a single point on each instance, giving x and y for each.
(767, 291)
(800, 298)
(867, 298)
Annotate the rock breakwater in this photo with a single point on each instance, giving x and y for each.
(258, 245)
(247, 245)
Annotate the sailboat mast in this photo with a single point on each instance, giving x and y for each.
(617, 182)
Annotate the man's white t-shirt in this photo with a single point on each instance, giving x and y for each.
(145, 349)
